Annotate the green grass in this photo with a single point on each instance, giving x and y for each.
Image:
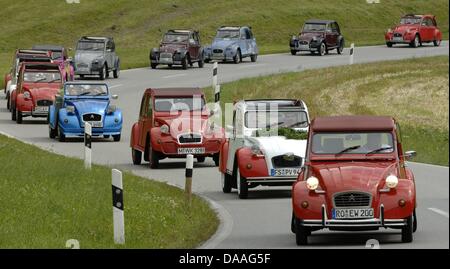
(414, 91)
(47, 199)
(138, 25)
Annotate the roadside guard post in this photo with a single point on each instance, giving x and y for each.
(215, 66)
(188, 183)
(87, 145)
(352, 51)
(117, 197)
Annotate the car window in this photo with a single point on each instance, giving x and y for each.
(363, 143)
(314, 27)
(90, 45)
(86, 90)
(227, 34)
(334, 27)
(41, 77)
(196, 38)
(276, 119)
(175, 38)
(247, 34)
(168, 104)
(143, 106)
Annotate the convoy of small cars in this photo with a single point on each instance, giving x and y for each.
(347, 172)
(178, 47)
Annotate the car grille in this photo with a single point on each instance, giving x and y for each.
(303, 42)
(189, 138)
(217, 50)
(92, 117)
(397, 35)
(286, 161)
(352, 199)
(165, 55)
(44, 102)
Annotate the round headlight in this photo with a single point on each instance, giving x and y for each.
(70, 109)
(26, 95)
(312, 183)
(164, 129)
(391, 181)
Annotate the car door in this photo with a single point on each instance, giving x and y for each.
(249, 41)
(334, 34)
(109, 54)
(194, 46)
(145, 118)
(243, 42)
(237, 138)
(430, 29)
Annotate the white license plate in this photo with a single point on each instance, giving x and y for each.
(165, 60)
(282, 172)
(352, 213)
(304, 47)
(397, 39)
(41, 109)
(96, 124)
(191, 150)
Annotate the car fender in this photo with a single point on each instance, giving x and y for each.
(207, 51)
(134, 138)
(437, 34)
(340, 39)
(224, 156)
(300, 193)
(250, 166)
(155, 136)
(154, 54)
(405, 190)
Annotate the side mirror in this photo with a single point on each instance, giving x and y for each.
(410, 154)
(115, 96)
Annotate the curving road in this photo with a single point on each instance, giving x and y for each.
(262, 221)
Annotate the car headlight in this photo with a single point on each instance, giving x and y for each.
(111, 109)
(26, 95)
(389, 30)
(164, 129)
(391, 181)
(294, 37)
(70, 109)
(312, 183)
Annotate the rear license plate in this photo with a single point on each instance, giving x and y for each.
(282, 172)
(96, 124)
(191, 150)
(352, 213)
(41, 109)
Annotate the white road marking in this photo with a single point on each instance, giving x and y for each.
(175, 76)
(115, 86)
(438, 211)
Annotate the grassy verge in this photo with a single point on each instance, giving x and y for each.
(414, 91)
(48, 199)
(138, 25)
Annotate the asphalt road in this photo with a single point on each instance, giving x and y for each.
(262, 221)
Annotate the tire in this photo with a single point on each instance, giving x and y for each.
(8, 105)
(61, 136)
(201, 62)
(416, 42)
(322, 49)
(253, 58)
(340, 49)
(293, 52)
(389, 44)
(184, 63)
(152, 157)
(293, 227)
(106, 71)
(102, 74)
(116, 138)
(437, 43)
(414, 221)
(238, 57)
(242, 185)
(153, 65)
(13, 113)
(52, 132)
(301, 233)
(216, 159)
(116, 72)
(136, 156)
(407, 231)
(226, 182)
(19, 116)
(201, 159)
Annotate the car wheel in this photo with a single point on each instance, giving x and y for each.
(201, 159)
(340, 49)
(226, 182)
(216, 158)
(322, 49)
(61, 135)
(153, 65)
(253, 58)
(389, 44)
(116, 138)
(184, 63)
(102, 74)
(242, 185)
(13, 113)
(414, 221)
(19, 116)
(116, 72)
(238, 57)
(437, 43)
(136, 155)
(301, 233)
(416, 42)
(152, 157)
(407, 231)
(8, 105)
(201, 62)
(293, 52)
(293, 228)
(106, 71)
(51, 132)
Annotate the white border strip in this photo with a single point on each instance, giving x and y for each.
(438, 211)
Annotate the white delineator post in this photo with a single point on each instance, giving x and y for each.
(214, 79)
(117, 197)
(352, 51)
(87, 145)
(188, 174)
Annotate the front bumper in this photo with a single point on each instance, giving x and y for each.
(301, 45)
(380, 222)
(270, 179)
(167, 58)
(79, 132)
(88, 69)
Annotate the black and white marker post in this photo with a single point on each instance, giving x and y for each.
(216, 88)
(87, 145)
(189, 172)
(352, 51)
(117, 197)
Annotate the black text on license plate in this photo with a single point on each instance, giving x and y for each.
(352, 213)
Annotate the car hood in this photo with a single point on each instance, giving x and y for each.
(171, 48)
(223, 43)
(89, 106)
(87, 56)
(404, 28)
(40, 91)
(348, 175)
(309, 35)
(272, 146)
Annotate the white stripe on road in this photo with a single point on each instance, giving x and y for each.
(438, 211)
(175, 76)
(115, 86)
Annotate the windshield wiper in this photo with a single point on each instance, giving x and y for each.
(348, 149)
(100, 93)
(84, 93)
(297, 123)
(378, 150)
(55, 80)
(39, 80)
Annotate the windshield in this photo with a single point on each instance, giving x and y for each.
(86, 90)
(223, 34)
(175, 38)
(314, 27)
(276, 119)
(90, 45)
(359, 143)
(42, 76)
(180, 103)
(410, 20)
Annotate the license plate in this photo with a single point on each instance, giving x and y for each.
(165, 60)
(41, 109)
(191, 150)
(352, 213)
(397, 39)
(281, 172)
(96, 124)
(304, 47)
